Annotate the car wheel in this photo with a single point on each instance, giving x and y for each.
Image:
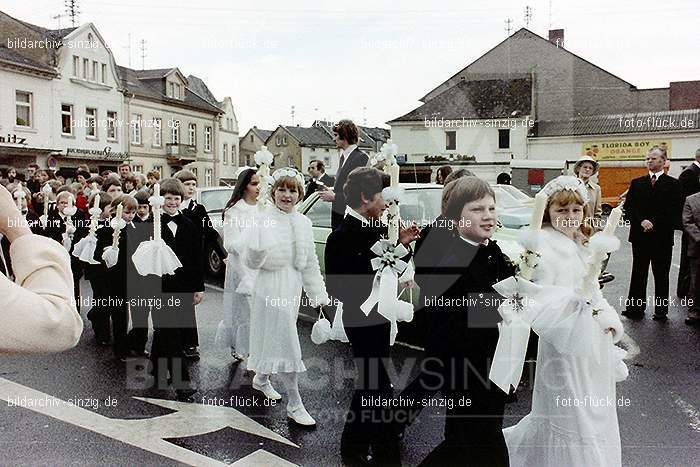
(606, 208)
(215, 263)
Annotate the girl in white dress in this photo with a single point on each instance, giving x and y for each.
(573, 421)
(280, 249)
(238, 215)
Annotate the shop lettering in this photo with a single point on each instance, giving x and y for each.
(13, 139)
(106, 153)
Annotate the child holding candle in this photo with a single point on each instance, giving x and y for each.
(67, 225)
(96, 274)
(119, 268)
(577, 363)
(179, 292)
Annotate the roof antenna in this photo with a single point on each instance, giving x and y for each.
(72, 10)
(528, 16)
(143, 54)
(509, 26)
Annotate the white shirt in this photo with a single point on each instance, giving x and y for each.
(185, 204)
(697, 163)
(473, 243)
(351, 212)
(172, 225)
(346, 152)
(658, 174)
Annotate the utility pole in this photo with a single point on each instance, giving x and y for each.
(72, 10)
(143, 54)
(509, 26)
(292, 115)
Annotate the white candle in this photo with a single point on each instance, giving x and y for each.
(538, 211)
(156, 189)
(46, 190)
(120, 209)
(118, 216)
(95, 217)
(613, 220)
(96, 203)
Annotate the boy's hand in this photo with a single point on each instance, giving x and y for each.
(198, 298)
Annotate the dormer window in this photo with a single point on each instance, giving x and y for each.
(171, 90)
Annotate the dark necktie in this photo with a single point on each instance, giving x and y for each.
(342, 160)
(653, 180)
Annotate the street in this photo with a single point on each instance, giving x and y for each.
(658, 405)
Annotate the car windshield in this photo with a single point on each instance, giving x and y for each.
(215, 200)
(504, 199)
(515, 193)
(421, 206)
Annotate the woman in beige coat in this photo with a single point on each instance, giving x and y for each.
(584, 169)
(37, 309)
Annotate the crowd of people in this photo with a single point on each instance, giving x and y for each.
(272, 260)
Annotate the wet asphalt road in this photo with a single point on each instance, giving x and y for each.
(660, 424)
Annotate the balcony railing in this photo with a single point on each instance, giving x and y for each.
(179, 152)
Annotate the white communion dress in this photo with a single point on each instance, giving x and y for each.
(573, 421)
(234, 329)
(280, 250)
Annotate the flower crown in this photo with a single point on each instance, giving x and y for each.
(566, 182)
(288, 172)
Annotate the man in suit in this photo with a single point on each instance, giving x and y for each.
(319, 177)
(653, 207)
(349, 278)
(690, 184)
(691, 227)
(345, 135)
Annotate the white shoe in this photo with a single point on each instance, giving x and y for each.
(301, 416)
(268, 390)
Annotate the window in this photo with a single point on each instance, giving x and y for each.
(278, 140)
(86, 66)
(138, 168)
(104, 74)
(207, 139)
(234, 153)
(23, 101)
(284, 141)
(177, 95)
(111, 125)
(194, 171)
(93, 77)
(175, 132)
(207, 177)
(320, 214)
(171, 90)
(251, 138)
(193, 134)
(66, 119)
(76, 66)
(224, 154)
(157, 132)
(136, 129)
(504, 138)
(450, 140)
(91, 123)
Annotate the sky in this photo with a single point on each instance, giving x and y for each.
(369, 60)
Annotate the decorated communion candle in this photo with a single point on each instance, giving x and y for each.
(538, 211)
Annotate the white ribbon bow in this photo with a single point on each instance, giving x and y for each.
(389, 266)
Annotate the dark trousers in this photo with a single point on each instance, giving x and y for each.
(683, 284)
(694, 292)
(167, 358)
(99, 314)
(660, 258)
(190, 336)
(120, 324)
(77, 271)
(369, 424)
(474, 410)
(138, 336)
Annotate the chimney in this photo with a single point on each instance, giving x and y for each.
(556, 37)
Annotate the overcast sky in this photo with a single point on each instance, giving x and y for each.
(370, 60)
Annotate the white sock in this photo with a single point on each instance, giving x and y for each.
(291, 384)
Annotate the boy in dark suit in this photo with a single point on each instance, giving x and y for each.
(118, 272)
(349, 278)
(57, 225)
(180, 292)
(345, 135)
(653, 206)
(96, 274)
(196, 213)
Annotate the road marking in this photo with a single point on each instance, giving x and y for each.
(689, 410)
(149, 433)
